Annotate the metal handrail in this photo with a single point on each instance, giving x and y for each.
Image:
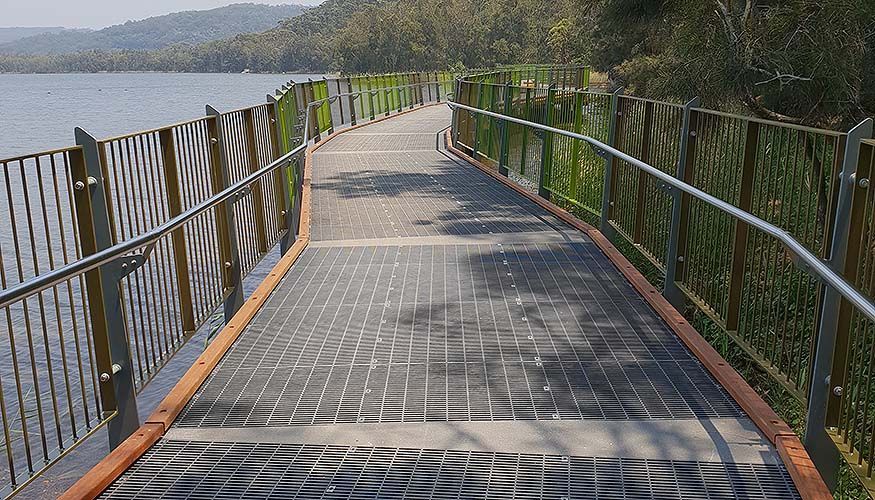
(810, 262)
(32, 286)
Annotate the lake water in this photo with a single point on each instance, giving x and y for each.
(39, 112)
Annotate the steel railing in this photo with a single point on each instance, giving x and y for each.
(122, 248)
(764, 227)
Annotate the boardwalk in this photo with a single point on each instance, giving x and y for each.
(444, 337)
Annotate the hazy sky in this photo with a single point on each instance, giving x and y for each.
(102, 13)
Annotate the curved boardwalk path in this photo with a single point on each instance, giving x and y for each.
(444, 337)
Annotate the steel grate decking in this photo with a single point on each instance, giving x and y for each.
(187, 469)
(455, 332)
(436, 308)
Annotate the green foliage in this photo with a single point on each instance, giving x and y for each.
(800, 61)
(196, 26)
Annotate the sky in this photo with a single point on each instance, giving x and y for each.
(102, 13)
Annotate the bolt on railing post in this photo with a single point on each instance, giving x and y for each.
(546, 147)
(823, 388)
(255, 188)
(281, 184)
(677, 236)
(609, 181)
(505, 138)
(180, 251)
(232, 276)
(105, 307)
(739, 239)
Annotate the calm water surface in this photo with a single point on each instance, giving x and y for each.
(38, 112)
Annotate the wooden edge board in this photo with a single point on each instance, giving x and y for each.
(113, 465)
(795, 458)
(99, 477)
(805, 475)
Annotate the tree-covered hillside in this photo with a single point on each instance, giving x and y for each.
(193, 27)
(802, 61)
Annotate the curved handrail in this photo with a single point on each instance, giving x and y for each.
(32, 286)
(812, 263)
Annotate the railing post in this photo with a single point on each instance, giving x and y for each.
(457, 122)
(370, 98)
(313, 112)
(232, 277)
(339, 102)
(525, 141)
(823, 388)
(577, 127)
(739, 243)
(281, 185)
(505, 138)
(106, 311)
(677, 236)
(180, 251)
(475, 142)
(607, 209)
(546, 147)
(256, 188)
(352, 98)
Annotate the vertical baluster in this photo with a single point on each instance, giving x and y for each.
(643, 178)
(739, 244)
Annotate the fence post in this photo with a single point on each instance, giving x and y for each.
(370, 98)
(476, 139)
(546, 147)
(677, 236)
(312, 111)
(180, 251)
(256, 187)
(106, 311)
(232, 277)
(352, 97)
(739, 241)
(281, 183)
(608, 187)
(505, 136)
(527, 117)
(577, 127)
(822, 388)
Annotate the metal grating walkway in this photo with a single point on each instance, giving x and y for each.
(444, 337)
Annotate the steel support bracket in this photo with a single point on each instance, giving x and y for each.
(124, 266)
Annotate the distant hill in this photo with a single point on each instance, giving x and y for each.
(16, 33)
(189, 27)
